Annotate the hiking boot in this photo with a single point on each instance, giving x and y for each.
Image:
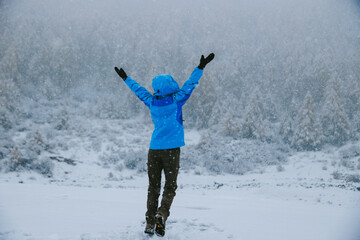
(149, 229)
(160, 225)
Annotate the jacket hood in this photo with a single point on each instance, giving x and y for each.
(164, 85)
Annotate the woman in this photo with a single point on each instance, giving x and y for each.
(168, 136)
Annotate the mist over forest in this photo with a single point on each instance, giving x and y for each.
(285, 71)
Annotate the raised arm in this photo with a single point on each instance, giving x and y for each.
(141, 92)
(184, 94)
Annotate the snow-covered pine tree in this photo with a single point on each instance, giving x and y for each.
(5, 122)
(9, 65)
(253, 125)
(230, 125)
(36, 143)
(9, 102)
(307, 133)
(9, 94)
(197, 112)
(270, 111)
(352, 106)
(287, 129)
(16, 159)
(218, 112)
(205, 97)
(334, 121)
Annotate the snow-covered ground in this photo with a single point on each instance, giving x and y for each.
(97, 184)
(299, 200)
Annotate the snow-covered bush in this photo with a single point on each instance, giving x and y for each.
(18, 162)
(36, 143)
(43, 166)
(228, 155)
(280, 168)
(352, 178)
(25, 155)
(337, 175)
(136, 160)
(350, 151)
(62, 121)
(348, 163)
(112, 158)
(96, 144)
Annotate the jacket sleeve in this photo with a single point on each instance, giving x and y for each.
(183, 95)
(141, 92)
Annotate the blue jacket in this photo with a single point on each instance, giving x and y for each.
(166, 107)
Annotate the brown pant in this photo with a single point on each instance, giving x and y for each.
(169, 160)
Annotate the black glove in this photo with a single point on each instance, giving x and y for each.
(204, 61)
(121, 73)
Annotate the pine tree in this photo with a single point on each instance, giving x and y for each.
(253, 125)
(218, 112)
(352, 105)
(307, 134)
(9, 65)
(9, 94)
(206, 99)
(287, 129)
(335, 122)
(5, 120)
(9, 102)
(36, 143)
(270, 108)
(230, 126)
(16, 159)
(356, 122)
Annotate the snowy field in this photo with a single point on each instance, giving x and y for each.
(299, 201)
(96, 186)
